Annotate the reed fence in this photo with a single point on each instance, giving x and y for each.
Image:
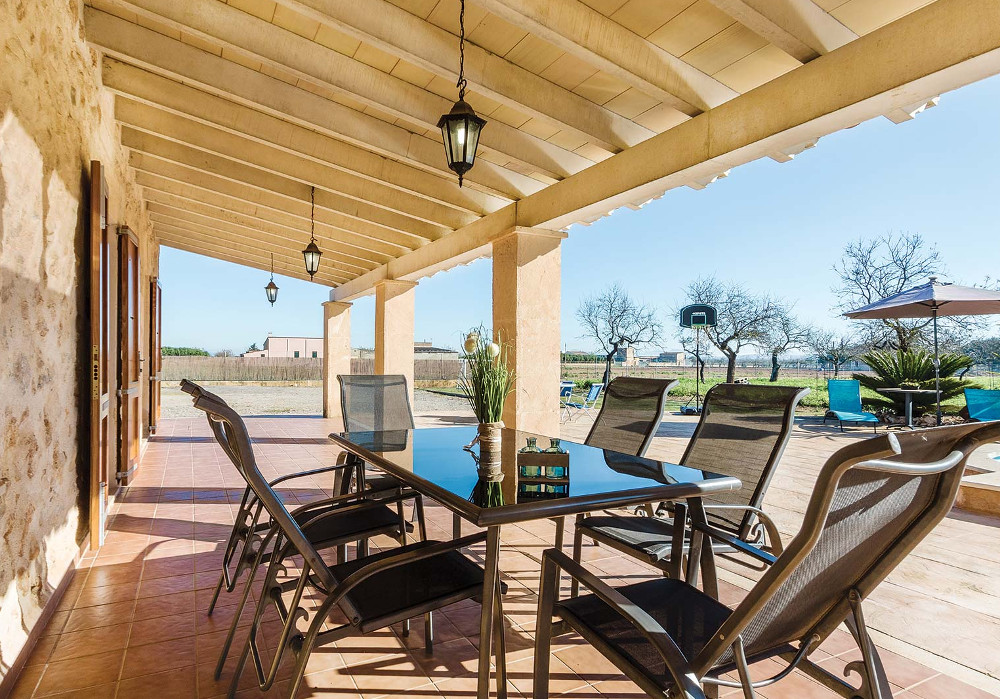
(264, 369)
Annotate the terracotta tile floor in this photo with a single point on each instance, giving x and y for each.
(133, 621)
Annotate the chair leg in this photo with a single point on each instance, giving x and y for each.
(307, 647)
(241, 605)
(418, 509)
(456, 527)
(876, 679)
(577, 554)
(560, 523)
(406, 628)
(272, 574)
(429, 633)
(543, 629)
(743, 670)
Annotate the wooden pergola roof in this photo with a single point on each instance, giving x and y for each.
(231, 111)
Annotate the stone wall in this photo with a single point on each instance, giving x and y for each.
(54, 119)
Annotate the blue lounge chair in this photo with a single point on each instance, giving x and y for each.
(845, 404)
(984, 405)
(588, 404)
(565, 394)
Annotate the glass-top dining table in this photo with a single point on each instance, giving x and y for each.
(532, 477)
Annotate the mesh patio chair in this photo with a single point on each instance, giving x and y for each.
(248, 528)
(372, 592)
(983, 404)
(873, 502)
(337, 521)
(742, 432)
(565, 394)
(845, 404)
(630, 415)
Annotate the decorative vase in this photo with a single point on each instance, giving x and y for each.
(490, 454)
(490, 433)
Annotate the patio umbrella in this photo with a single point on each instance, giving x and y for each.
(931, 300)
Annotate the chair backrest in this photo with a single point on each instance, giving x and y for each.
(232, 434)
(565, 390)
(845, 395)
(742, 432)
(983, 404)
(375, 403)
(630, 415)
(594, 393)
(873, 502)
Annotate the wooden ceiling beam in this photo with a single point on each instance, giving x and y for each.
(155, 185)
(120, 39)
(140, 86)
(240, 172)
(211, 231)
(260, 41)
(399, 33)
(800, 28)
(352, 231)
(585, 33)
(198, 212)
(142, 118)
(237, 253)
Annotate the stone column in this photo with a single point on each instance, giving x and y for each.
(336, 354)
(394, 303)
(526, 301)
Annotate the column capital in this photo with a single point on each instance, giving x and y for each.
(533, 232)
(336, 306)
(396, 285)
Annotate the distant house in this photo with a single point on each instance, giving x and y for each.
(290, 347)
(425, 350)
(673, 358)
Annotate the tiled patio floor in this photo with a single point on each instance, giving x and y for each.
(133, 621)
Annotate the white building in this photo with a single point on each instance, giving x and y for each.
(291, 347)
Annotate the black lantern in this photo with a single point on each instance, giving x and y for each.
(461, 126)
(312, 252)
(271, 289)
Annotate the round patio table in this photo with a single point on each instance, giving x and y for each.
(908, 394)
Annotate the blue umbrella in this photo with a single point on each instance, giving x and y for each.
(931, 300)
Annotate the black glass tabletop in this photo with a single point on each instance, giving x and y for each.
(524, 476)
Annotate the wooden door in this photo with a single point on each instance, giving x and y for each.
(102, 394)
(155, 357)
(129, 355)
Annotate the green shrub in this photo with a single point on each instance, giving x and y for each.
(914, 369)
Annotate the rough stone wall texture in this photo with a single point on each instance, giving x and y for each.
(54, 119)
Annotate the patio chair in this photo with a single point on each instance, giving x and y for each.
(565, 394)
(337, 531)
(742, 432)
(630, 415)
(587, 404)
(983, 404)
(372, 592)
(845, 404)
(873, 502)
(344, 519)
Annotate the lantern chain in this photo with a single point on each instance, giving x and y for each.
(462, 82)
(312, 214)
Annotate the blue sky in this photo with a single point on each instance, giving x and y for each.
(774, 227)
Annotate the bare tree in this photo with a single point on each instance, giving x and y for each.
(617, 321)
(836, 350)
(782, 335)
(743, 317)
(873, 268)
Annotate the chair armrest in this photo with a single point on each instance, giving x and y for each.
(665, 646)
(776, 547)
(401, 559)
(302, 474)
(734, 541)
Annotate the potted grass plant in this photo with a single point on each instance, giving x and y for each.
(486, 383)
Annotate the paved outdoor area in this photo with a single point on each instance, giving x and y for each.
(133, 622)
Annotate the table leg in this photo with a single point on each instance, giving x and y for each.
(908, 409)
(491, 588)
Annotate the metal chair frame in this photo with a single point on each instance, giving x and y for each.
(724, 649)
(757, 528)
(286, 544)
(586, 403)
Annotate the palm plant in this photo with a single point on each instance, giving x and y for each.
(913, 369)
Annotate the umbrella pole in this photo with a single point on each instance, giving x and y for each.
(937, 367)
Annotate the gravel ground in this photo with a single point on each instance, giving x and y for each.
(289, 400)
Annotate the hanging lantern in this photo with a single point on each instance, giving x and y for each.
(312, 252)
(271, 289)
(461, 126)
